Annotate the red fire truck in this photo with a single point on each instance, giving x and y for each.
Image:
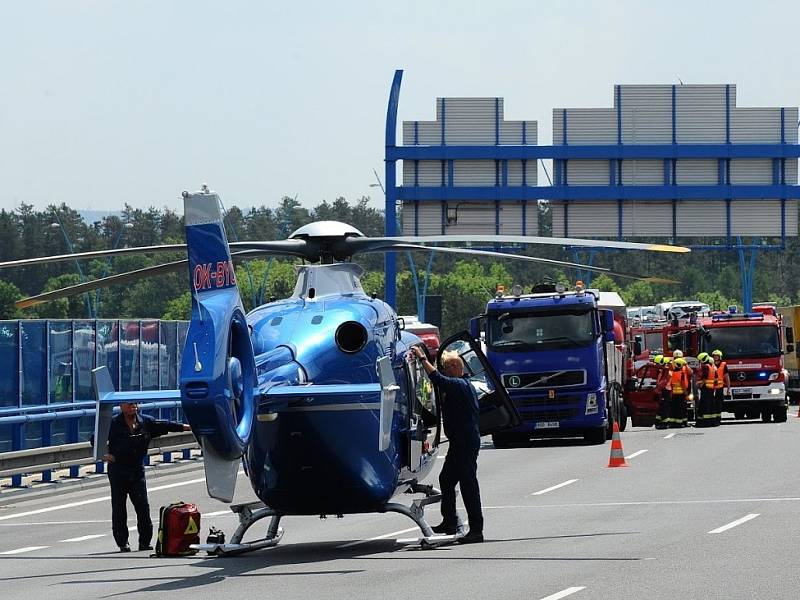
(751, 347)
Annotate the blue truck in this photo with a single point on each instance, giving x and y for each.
(560, 356)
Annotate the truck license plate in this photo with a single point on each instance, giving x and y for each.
(742, 391)
(546, 425)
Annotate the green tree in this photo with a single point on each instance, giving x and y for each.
(73, 307)
(9, 293)
(716, 300)
(638, 293)
(179, 309)
(604, 283)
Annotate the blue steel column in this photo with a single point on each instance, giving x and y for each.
(747, 269)
(390, 262)
(18, 430)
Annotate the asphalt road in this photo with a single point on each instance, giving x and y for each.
(703, 513)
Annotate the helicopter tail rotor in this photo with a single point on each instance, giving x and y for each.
(218, 375)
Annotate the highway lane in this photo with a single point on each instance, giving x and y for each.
(635, 532)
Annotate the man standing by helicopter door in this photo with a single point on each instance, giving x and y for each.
(460, 416)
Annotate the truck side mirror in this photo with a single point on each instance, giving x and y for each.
(476, 324)
(789, 337)
(637, 347)
(789, 348)
(608, 321)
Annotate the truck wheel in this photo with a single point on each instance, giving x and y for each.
(502, 440)
(595, 436)
(623, 416)
(738, 415)
(766, 415)
(510, 440)
(779, 414)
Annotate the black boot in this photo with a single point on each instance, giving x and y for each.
(445, 527)
(473, 537)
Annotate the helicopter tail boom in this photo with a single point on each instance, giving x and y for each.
(218, 373)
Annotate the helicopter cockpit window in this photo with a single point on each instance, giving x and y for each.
(473, 368)
(424, 395)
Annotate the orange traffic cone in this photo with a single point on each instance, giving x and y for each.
(617, 458)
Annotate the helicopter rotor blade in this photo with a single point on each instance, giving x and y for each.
(354, 245)
(476, 252)
(293, 247)
(25, 262)
(561, 263)
(287, 247)
(128, 277)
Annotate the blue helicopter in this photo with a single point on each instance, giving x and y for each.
(316, 395)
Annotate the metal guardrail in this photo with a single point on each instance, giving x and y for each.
(65, 456)
(43, 416)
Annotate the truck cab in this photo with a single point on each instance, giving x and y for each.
(751, 345)
(556, 356)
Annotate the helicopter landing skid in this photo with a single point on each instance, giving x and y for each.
(248, 515)
(416, 512)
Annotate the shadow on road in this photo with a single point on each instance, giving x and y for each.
(159, 575)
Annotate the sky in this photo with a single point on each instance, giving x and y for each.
(107, 102)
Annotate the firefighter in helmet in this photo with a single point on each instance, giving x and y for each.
(723, 382)
(663, 390)
(681, 388)
(705, 415)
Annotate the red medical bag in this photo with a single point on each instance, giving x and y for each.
(178, 526)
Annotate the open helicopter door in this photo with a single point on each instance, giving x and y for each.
(497, 411)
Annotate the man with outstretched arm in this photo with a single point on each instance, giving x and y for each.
(460, 416)
(128, 440)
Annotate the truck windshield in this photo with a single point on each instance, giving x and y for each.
(744, 342)
(541, 331)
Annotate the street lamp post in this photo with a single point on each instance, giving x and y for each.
(57, 224)
(127, 225)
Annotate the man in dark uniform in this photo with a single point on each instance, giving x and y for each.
(460, 416)
(128, 440)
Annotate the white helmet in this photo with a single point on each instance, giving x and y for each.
(677, 354)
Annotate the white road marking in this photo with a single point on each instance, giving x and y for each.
(555, 487)
(217, 513)
(83, 538)
(48, 523)
(635, 454)
(93, 500)
(26, 549)
(380, 537)
(174, 485)
(564, 593)
(644, 503)
(744, 519)
(669, 436)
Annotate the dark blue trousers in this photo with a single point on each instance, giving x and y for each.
(129, 482)
(461, 467)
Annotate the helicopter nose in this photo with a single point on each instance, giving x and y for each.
(235, 379)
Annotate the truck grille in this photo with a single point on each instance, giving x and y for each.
(543, 379)
(543, 401)
(551, 414)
